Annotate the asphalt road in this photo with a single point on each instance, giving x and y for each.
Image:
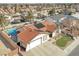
(75, 52)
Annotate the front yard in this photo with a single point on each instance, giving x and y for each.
(63, 41)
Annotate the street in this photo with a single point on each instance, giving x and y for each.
(75, 52)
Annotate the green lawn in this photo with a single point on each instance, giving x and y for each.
(63, 40)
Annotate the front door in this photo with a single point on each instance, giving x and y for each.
(50, 35)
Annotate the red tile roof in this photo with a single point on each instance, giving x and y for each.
(30, 31)
(27, 35)
(30, 26)
(49, 26)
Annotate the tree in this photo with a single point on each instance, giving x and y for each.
(30, 16)
(51, 12)
(68, 10)
(17, 8)
(2, 20)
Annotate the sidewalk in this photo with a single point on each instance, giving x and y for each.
(72, 46)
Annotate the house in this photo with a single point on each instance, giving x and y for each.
(32, 38)
(34, 34)
(17, 19)
(50, 27)
(70, 26)
(55, 18)
(7, 46)
(31, 35)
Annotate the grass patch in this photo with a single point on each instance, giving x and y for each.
(61, 42)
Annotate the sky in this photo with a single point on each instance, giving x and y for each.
(39, 1)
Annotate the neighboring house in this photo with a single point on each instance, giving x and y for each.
(17, 19)
(76, 15)
(55, 18)
(70, 26)
(8, 47)
(36, 34)
(50, 27)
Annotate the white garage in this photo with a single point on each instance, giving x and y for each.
(38, 40)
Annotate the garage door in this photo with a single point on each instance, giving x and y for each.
(33, 44)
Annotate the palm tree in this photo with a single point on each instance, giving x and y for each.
(29, 16)
(51, 12)
(17, 8)
(2, 20)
